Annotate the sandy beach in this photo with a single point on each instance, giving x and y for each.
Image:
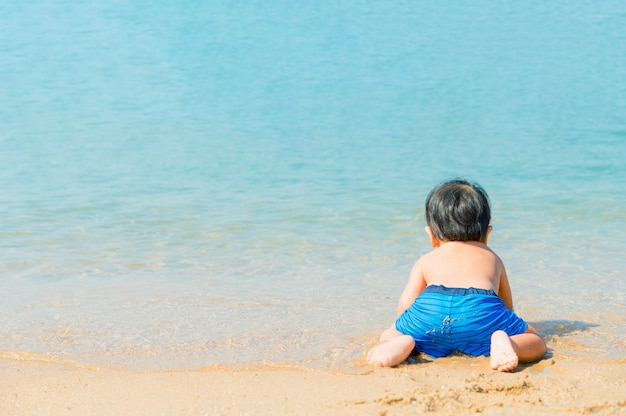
(560, 384)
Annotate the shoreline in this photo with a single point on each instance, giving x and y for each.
(456, 385)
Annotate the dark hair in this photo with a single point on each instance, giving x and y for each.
(458, 210)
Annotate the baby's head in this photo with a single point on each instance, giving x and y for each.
(458, 210)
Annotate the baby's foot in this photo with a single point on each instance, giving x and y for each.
(378, 357)
(392, 352)
(503, 356)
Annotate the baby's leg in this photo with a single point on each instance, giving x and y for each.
(394, 349)
(389, 334)
(507, 352)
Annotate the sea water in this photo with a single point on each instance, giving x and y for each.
(188, 183)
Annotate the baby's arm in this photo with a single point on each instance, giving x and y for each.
(504, 290)
(413, 288)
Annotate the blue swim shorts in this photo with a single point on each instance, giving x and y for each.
(443, 320)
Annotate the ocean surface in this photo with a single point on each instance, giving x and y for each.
(189, 183)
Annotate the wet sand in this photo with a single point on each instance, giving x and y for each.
(456, 385)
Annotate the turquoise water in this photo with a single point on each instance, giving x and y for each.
(194, 183)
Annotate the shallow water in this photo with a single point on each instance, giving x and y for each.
(186, 184)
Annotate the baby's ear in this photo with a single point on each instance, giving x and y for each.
(489, 229)
(433, 240)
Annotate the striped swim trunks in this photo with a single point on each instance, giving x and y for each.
(443, 320)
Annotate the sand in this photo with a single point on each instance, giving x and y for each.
(560, 384)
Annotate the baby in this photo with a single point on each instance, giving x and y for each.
(458, 296)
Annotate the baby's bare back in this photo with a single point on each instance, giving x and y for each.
(463, 264)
